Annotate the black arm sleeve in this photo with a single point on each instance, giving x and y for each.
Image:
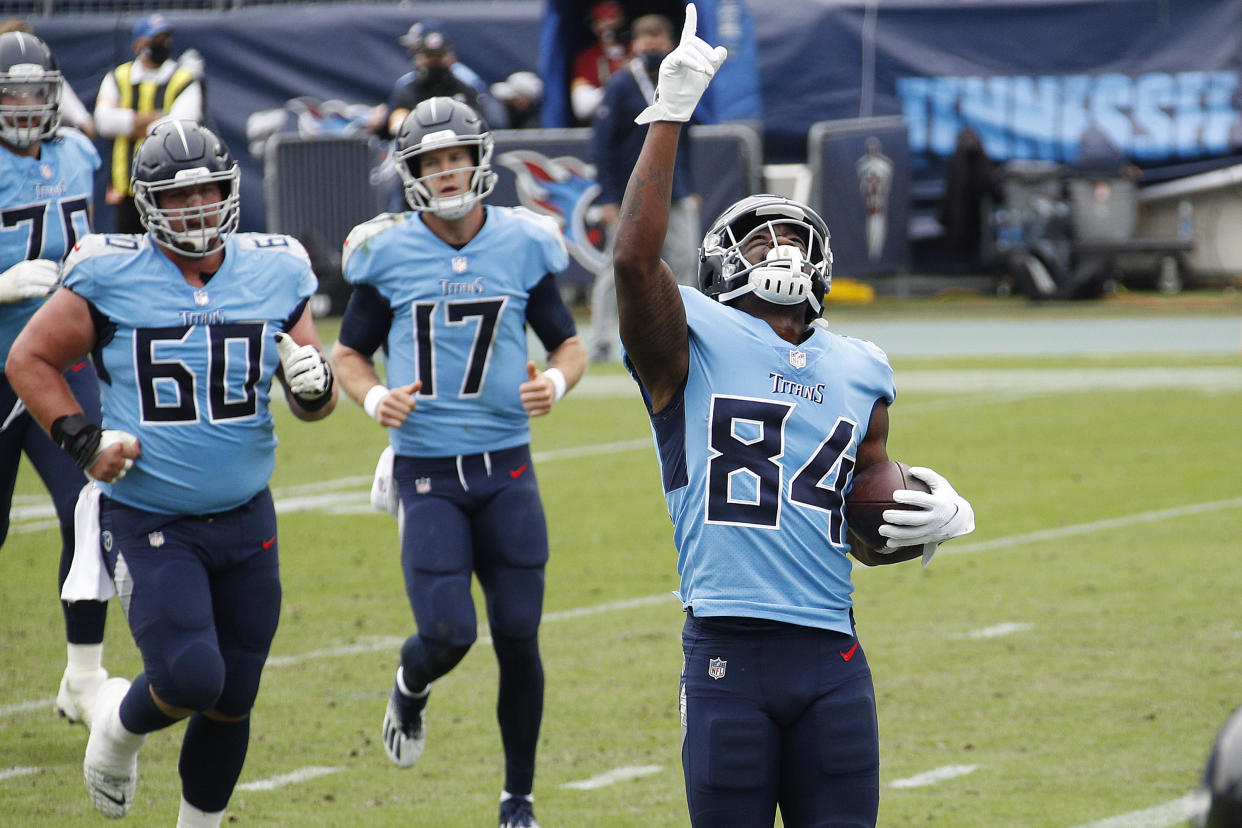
(548, 315)
(368, 316)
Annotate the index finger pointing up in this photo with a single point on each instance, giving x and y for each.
(692, 23)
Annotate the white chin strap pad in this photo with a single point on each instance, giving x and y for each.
(781, 279)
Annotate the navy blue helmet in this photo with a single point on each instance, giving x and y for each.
(178, 154)
(30, 88)
(434, 124)
(788, 275)
(1222, 778)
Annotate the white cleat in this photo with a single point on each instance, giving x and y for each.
(405, 736)
(75, 701)
(111, 768)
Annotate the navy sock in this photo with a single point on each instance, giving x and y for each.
(139, 712)
(519, 708)
(212, 755)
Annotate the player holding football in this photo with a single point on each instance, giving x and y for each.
(189, 324)
(45, 206)
(760, 415)
(448, 289)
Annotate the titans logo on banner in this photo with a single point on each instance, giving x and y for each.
(565, 189)
(1151, 118)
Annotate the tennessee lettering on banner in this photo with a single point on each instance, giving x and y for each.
(1153, 117)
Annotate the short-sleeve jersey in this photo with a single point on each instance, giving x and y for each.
(755, 456)
(44, 206)
(458, 322)
(189, 370)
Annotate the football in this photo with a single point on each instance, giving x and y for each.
(871, 494)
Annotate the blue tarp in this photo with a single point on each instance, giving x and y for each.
(1155, 80)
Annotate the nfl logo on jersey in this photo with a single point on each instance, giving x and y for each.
(797, 358)
(716, 667)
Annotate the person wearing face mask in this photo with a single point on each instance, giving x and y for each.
(433, 77)
(135, 95)
(615, 145)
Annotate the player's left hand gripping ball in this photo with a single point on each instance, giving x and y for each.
(938, 516)
(305, 369)
(685, 73)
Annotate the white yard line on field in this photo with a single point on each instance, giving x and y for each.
(1159, 816)
(33, 513)
(13, 772)
(996, 630)
(613, 776)
(981, 546)
(291, 778)
(393, 642)
(1092, 526)
(933, 776)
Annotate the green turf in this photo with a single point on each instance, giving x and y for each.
(1106, 703)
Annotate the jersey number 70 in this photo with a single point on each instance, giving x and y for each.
(745, 473)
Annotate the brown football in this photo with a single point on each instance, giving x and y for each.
(871, 494)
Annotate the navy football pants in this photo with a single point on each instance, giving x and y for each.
(84, 620)
(202, 595)
(777, 715)
(478, 514)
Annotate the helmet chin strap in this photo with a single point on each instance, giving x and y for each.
(781, 279)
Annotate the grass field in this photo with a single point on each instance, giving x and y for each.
(1068, 663)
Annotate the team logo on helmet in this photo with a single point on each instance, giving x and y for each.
(565, 189)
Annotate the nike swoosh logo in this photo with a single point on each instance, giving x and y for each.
(117, 800)
(846, 655)
(516, 473)
(267, 544)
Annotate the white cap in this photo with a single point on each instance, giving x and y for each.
(524, 84)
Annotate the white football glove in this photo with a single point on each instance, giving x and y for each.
(941, 515)
(685, 73)
(305, 368)
(28, 279)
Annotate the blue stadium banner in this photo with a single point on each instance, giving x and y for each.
(1156, 81)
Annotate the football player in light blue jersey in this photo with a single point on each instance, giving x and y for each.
(447, 290)
(188, 324)
(761, 416)
(45, 206)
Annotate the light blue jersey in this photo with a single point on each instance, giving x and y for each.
(755, 456)
(44, 204)
(189, 371)
(459, 323)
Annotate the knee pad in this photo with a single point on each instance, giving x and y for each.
(194, 678)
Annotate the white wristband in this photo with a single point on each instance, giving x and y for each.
(558, 382)
(374, 397)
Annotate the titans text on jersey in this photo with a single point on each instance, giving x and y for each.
(459, 326)
(761, 445)
(44, 204)
(171, 357)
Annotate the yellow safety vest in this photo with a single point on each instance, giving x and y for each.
(140, 97)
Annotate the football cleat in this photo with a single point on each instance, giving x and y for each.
(110, 770)
(517, 812)
(75, 700)
(405, 729)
